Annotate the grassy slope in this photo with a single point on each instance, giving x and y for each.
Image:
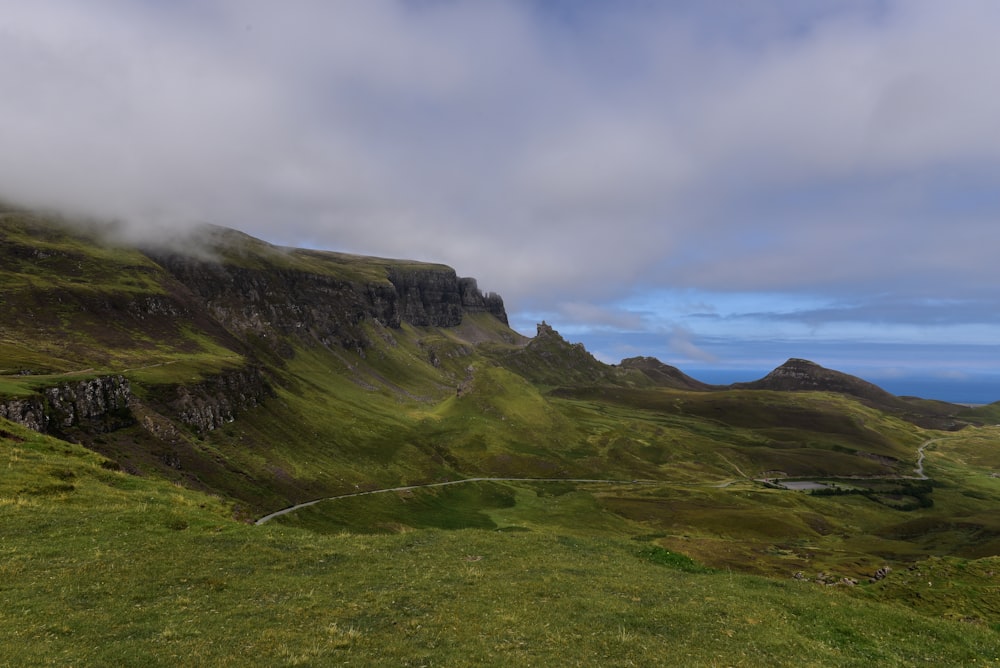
(83, 583)
(73, 307)
(426, 405)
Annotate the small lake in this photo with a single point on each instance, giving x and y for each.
(801, 485)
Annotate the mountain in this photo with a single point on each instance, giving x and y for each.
(147, 353)
(273, 375)
(156, 399)
(664, 375)
(549, 359)
(799, 375)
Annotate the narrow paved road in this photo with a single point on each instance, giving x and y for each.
(290, 509)
(918, 471)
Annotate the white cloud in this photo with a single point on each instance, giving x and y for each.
(593, 315)
(735, 146)
(681, 343)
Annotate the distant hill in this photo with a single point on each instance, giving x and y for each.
(664, 375)
(549, 359)
(799, 375)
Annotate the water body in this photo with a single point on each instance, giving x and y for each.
(802, 485)
(971, 389)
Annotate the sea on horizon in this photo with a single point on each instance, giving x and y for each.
(966, 390)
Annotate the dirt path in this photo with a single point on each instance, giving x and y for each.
(919, 470)
(738, 469)
(92, 370)
(290, 509)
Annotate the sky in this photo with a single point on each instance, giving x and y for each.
(722, 185)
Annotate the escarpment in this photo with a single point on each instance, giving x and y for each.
(109, 310)
(319, 306)
(262, 304)
(148, 354)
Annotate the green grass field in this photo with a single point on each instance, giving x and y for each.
(100, 568)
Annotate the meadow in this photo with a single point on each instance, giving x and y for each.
(99, 567)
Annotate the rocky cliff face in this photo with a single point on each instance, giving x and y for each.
(219, 399)
(95, 405)
(427, 297)
(105, 404)
(263, 304)
(268, 302)
(474, 301)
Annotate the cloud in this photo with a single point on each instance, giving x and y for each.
(563, 153)
(681, 343)
(595, 316)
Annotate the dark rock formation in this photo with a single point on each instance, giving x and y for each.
(549, 359)
(260, 304)
(428, 297)
(217, 400)
(105, 404)
(94, 405)
(28, 412)
(474, 301)
(268, 302)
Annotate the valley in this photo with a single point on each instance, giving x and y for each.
(268, 456)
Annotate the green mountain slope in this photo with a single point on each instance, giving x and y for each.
(153, 400)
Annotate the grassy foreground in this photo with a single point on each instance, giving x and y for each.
(101, 568)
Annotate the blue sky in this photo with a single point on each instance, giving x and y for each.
(720, 184)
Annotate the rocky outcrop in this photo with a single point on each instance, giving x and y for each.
(549, 359)
(28, 412)
(474, 301)
(427, 297)
(218, 400)
(104, 404)
(96, 405)
(437, 297)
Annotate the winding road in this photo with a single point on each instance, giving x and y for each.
(290, 509)
(918, 471)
